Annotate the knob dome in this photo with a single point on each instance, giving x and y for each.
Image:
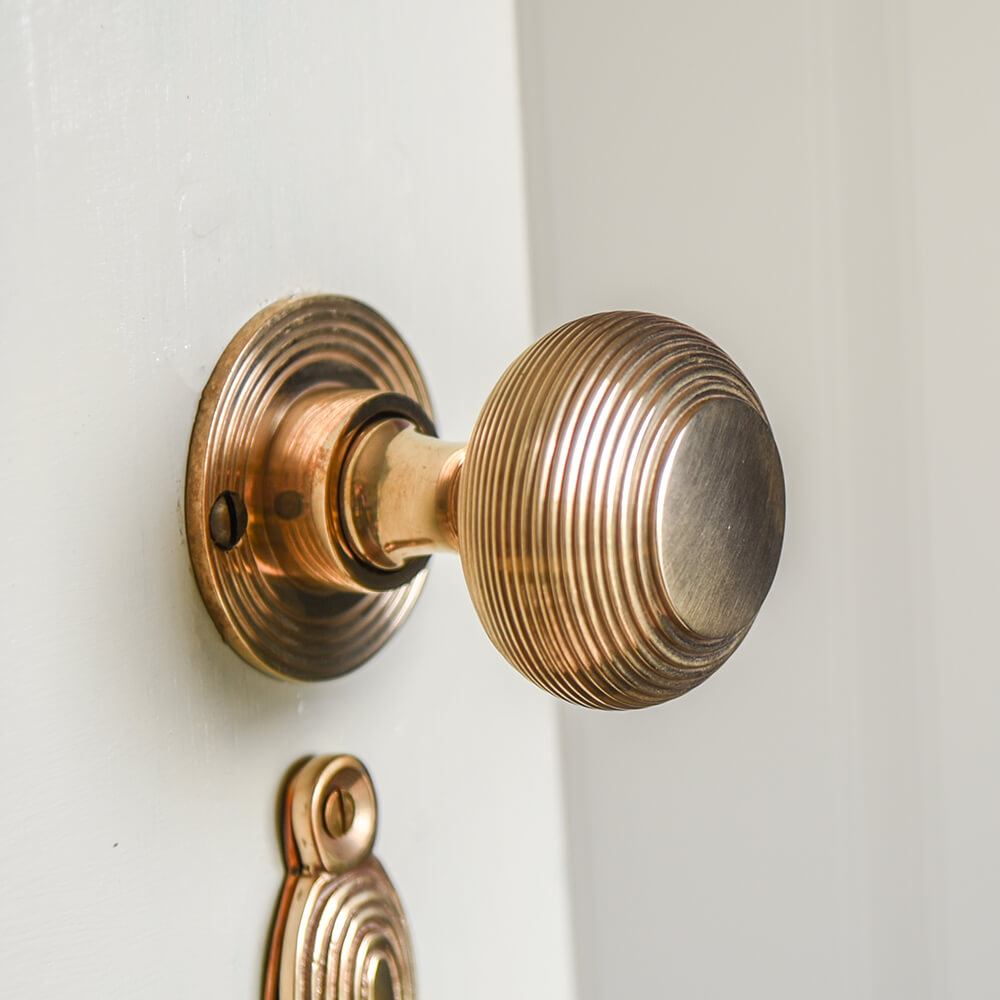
(621, 510)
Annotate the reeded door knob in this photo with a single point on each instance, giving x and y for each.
(619, 508)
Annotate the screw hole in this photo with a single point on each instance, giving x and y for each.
(227, 521)
(288, 505)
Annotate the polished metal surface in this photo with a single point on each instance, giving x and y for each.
(619, 508)
(399, 493)
(339, 932)
(720, 504)
(275, 570)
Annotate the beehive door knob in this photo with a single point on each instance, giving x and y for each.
(619, 508)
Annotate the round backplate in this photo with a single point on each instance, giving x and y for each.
(300, 345)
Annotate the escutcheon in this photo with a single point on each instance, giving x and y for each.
(339, 932)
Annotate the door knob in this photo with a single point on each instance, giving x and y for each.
(618, 509)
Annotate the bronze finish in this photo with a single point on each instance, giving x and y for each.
(399, 491)
(280, 408)
(339, 931)
(338, 813)
(619, 509)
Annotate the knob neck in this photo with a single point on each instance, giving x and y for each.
(319, 530)
(398, 494)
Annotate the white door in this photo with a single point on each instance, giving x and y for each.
(168, 169)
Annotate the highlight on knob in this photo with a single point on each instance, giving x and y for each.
(618, 510)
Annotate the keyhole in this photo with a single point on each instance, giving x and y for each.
(383, 985)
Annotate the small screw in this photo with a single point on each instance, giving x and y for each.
(338, 813)
(227, 521)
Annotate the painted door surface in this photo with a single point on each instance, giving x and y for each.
(168, 169)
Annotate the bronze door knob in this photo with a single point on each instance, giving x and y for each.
(619, 508)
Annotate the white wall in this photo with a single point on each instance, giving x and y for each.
(815, 185)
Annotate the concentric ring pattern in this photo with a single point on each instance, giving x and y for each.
(321, 342)
(350, 925)
(559, 501)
